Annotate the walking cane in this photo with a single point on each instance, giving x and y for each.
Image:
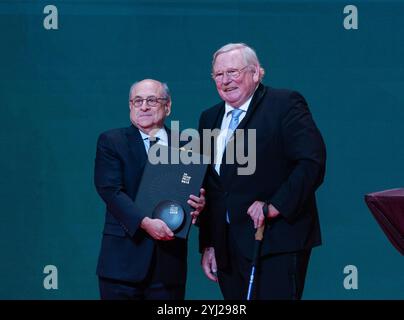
(259, 234)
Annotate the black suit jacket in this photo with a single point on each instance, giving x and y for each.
(126, 249)
(290, 165)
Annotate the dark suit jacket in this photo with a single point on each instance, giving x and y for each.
(126, 249)
(290, 165)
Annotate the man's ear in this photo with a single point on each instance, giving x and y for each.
(167, 108)
(256, 75)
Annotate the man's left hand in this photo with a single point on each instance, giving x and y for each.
(257, 215)
(198, 203)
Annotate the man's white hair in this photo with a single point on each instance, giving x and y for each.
(249, 55)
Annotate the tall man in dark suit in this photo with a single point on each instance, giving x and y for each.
(290, 166)
(140, 258)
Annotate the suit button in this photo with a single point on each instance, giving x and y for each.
(226, 194)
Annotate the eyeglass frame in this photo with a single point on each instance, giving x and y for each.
(227, 73)
(147, 103)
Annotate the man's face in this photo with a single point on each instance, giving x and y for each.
(235, 91)
(147, 117)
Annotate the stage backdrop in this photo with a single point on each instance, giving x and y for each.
(65, 78)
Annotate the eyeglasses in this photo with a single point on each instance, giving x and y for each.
(231, 73)
(151, 101)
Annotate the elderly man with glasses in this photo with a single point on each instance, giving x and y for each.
(139, 258)
(290, 165)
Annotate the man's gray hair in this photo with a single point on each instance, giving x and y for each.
(166, 91)
(249, 55)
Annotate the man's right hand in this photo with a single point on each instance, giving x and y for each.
(157, 229)
(209, 263)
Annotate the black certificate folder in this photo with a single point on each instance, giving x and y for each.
(165, 188)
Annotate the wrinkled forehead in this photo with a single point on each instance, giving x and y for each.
(229, 60)
(147, 88)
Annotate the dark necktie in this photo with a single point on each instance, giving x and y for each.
(153, 141)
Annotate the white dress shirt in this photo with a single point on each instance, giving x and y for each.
(161, 134)
(221, 139)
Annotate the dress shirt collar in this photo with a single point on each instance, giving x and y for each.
(244, 107)
(161, 134)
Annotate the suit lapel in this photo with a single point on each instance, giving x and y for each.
(258, 95)
(227, 171)
(215, 122)
(169, 142)
(136, 145)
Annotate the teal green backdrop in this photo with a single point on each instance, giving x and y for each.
(59, 89)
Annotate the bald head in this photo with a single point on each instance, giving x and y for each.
(162, 85)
